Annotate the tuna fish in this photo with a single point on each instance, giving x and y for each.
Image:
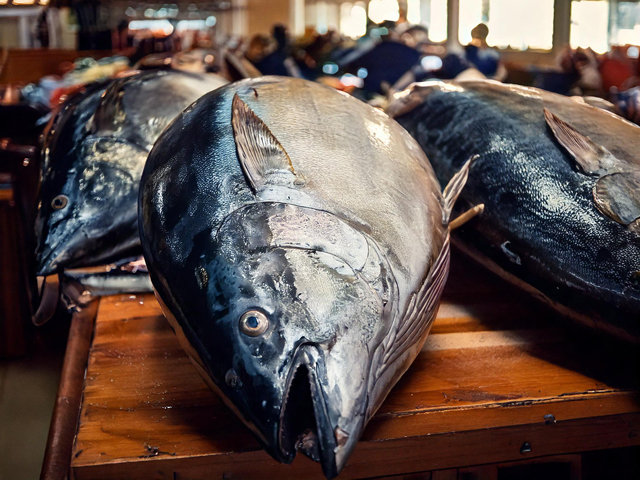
(560, 181)
(94, 153)
(297, 240)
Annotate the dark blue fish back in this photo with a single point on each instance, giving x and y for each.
(540, 221)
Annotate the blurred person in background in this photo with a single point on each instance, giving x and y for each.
(123, 39)
(258, 48)
(93, 20)
(42, 29)
(484, 58)
(576, 74)
(48, 29)
(313, 50)
(560, 79)
(590, 80)
(386, 62)
(478, 60)
(415, 36)
(279, 62)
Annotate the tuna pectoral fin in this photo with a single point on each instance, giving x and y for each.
(261, 156)
(589, 156)
(618, 196)
(466, 216)
(453, 189)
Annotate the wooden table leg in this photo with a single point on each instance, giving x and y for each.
(57, 456)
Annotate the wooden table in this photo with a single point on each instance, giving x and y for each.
(500, 379)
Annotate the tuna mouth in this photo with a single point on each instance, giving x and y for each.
(304, 420)
(49, 262)
(298, 428)
(78, 250)
(51, 259)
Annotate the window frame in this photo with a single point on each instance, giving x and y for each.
(560, 36)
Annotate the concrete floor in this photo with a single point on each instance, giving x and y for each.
(28, 389)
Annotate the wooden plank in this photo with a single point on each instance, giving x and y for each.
(415, 454)
(475, 394)
(30, 65)
(57, 456)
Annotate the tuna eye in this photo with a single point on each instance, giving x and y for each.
(253, 323)
(59, 202)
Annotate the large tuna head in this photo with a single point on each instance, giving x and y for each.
(282, 304)
(88, 210)
(285, 328)
(94, 158)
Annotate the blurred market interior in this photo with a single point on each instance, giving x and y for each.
(589, 46)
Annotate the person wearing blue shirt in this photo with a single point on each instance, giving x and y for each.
(480, 55)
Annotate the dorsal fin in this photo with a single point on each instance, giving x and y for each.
(103, 121)
(590, 157)
(262, 157)
(454, 188)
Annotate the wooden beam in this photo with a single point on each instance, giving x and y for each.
(561, 24)
(57, 456)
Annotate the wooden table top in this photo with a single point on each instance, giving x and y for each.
(497, 370)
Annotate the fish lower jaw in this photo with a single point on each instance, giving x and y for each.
(304, 424)
(297, 421)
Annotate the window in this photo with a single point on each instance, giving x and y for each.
(433, 15)
(326, 17)
(353, 19)
(590, 25)
(599, 24)
(381, 10)
(322, 15)
(413, 11)
(517, 24)
(352, 16)
(625, 30)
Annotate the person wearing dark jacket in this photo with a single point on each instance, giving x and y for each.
(279, 62)
(385, 63)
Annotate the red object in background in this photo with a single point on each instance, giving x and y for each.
(614, 72)
(61, 94)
